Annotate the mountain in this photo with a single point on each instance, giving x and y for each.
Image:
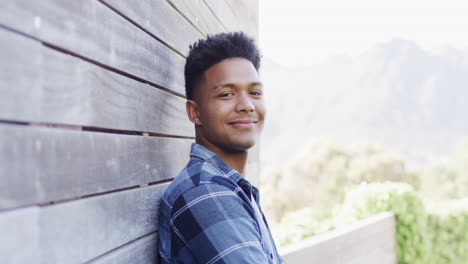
(396, 93)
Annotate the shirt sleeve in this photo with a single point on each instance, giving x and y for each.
(212, 224)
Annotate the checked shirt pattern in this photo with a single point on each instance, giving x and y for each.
(208, 215)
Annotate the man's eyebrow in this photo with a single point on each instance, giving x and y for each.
(256, 84)
(233, 85)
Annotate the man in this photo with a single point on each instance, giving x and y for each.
(210, 213)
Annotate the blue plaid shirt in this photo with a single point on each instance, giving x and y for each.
(207, 216)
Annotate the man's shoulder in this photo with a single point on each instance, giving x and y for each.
(197, 173)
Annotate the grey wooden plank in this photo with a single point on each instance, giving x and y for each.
(94, 31)
(361, 242)
(19, 239)
(224, 13)
(199, 15)
(81, 230)
(39, 164)
(246, 12)
(141, 251)
(40, 84)
(161, 19)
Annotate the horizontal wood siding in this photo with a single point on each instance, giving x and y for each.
(54, 87)
(91, 30)
(45, 164)
(78, 231)
(19, 242)
(141, 251)
(224, 14)
(92, 122)
(199, 15)
(246, 13)
(175, 30)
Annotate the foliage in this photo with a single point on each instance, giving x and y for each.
(411, 237)
(326, 172)
(424, 234)
(296, 226)
(447, 230)
(299, 197)
(446, 179)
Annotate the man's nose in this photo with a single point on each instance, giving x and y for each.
(245, 103)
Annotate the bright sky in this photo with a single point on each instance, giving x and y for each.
(305, 32)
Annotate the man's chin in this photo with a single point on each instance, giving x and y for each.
(242, 146)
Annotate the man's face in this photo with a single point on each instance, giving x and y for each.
(229, 105)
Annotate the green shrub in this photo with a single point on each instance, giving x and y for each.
(429, 234)
(411, 239)
(296, 226)
(326, 171)
(448, 231)
(423, 235)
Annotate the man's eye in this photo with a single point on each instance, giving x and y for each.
(257, 93)
(226, 94)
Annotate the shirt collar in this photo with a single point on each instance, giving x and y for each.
(209, 156)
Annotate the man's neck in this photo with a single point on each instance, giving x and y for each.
(235, 159)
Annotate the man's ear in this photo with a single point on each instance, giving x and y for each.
(193, 112)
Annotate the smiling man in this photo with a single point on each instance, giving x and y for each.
(210, 213)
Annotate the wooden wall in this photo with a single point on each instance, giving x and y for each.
(92, 121)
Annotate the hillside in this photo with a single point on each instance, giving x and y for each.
(395, 93)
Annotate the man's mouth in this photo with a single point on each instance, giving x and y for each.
(243, 123)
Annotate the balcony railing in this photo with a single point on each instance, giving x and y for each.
(371, 240)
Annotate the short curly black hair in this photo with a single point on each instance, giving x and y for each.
(207, 52)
